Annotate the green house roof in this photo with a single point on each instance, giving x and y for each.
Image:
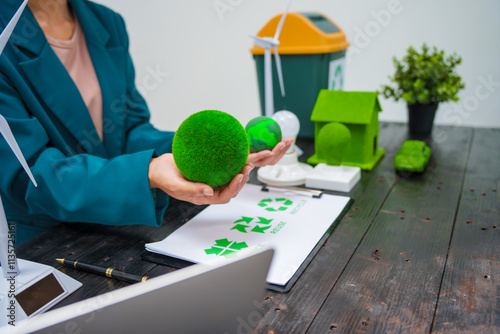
(345, 107)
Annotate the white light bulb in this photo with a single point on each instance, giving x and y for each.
(288, 122)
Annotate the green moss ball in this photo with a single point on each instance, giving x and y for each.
(211, 147)
(263, 133)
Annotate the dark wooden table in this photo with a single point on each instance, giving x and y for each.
(415, 254)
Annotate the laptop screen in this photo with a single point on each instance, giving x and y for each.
(197, 299)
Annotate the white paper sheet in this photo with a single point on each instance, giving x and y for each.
(291, 224)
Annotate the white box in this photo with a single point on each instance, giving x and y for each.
(338, 178)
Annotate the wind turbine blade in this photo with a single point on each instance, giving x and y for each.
(9, 137)
(280, 72)
(282, 21)
(261, 42)
(4, 37)
(268, 83)
(255, 38)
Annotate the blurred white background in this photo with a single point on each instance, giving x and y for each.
(192, 55)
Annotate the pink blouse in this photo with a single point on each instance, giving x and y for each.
(75, 57)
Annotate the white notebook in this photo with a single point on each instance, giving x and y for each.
(292, 223)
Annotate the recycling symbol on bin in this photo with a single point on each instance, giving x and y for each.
(278, 204)
(244, 223)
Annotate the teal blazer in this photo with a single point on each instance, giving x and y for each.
(80, 178)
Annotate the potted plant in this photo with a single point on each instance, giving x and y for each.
(423, 80)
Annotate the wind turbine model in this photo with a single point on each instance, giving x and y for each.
(267, 43)
(27, 288)
(10, 267)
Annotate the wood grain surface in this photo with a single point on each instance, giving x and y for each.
(416, 253)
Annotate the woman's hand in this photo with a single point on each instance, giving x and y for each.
(164, 174)
(266, 157)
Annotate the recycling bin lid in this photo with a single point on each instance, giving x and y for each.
(304, 33)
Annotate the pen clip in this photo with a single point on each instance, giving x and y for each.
(298, 191)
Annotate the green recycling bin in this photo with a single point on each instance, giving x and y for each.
(312, 51)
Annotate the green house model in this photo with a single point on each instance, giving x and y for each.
(358, 111)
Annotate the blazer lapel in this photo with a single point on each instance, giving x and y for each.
(54, 86)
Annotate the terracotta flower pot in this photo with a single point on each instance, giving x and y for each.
(421, 118)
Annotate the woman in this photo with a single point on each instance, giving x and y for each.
(67, 90)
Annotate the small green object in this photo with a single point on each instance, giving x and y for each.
(333, 140)
(211, 147)
(413, 156)
(263, 133)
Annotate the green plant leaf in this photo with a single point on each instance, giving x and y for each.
(424, 77)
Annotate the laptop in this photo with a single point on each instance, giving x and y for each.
(197, 299)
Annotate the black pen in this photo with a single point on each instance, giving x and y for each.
(109, 272)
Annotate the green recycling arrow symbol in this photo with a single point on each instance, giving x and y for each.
(240, 227)
(226, 248)
(243, 227)
(264, 202)
(244, 219)
(259, 229)
(263, 220)
(283, 203)
(338, 71)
